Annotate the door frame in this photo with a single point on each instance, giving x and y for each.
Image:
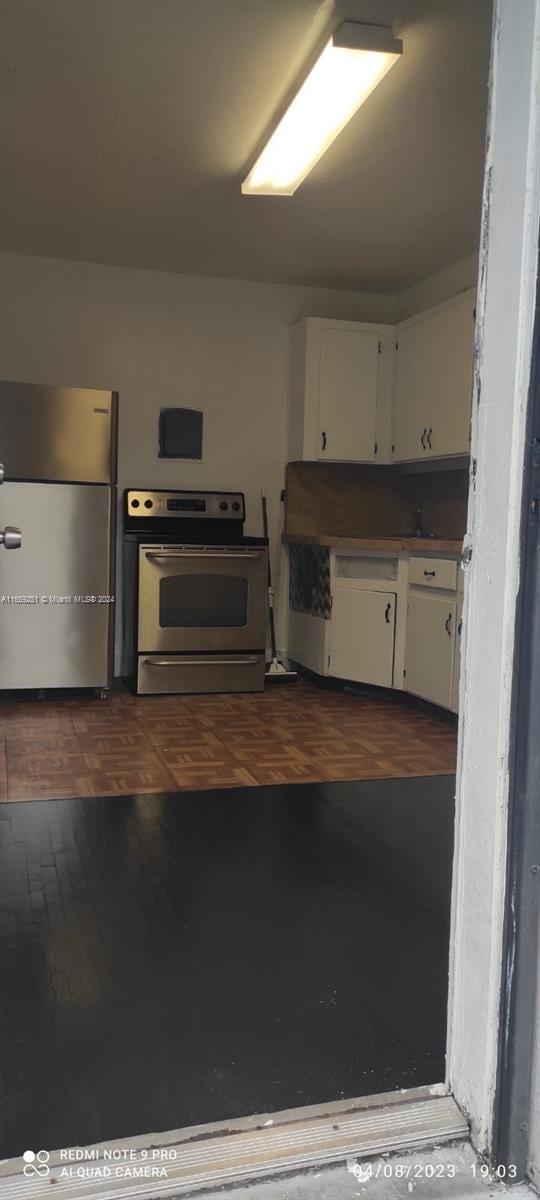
(481, 901)
(520, 937)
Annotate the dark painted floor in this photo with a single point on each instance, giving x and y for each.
(195, 956)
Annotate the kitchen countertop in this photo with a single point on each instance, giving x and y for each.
(393, 544)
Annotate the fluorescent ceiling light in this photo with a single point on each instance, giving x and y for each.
(350, 66)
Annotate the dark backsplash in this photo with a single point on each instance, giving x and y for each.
(357, 500)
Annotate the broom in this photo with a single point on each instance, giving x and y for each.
(276, 671)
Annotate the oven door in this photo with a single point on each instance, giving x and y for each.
(193, 599)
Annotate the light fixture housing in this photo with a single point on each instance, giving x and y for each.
(350, 66)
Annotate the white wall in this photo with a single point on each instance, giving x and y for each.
(442, 286)
(160, 340)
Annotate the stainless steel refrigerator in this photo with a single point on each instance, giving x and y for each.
(58, 447)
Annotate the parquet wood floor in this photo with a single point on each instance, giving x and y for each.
(296, 733)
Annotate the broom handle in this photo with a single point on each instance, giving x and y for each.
(270, 590)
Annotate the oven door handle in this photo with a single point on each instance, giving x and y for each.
(197, 662)
(223, 555)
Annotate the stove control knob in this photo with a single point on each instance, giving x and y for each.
(224, 506)
(236, 506)
(149, 504)
(135, 503)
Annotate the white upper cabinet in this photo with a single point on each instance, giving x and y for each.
(433, 382)
(340, 400)
(410, 419)
(348, 379)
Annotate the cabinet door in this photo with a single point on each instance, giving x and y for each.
(410, 416)
(307, 641)
(362, 636)
(348, 378)
(457, 656)
(432, 400)
(429, 654)
(450, 376)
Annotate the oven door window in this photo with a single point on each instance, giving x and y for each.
(203, 601)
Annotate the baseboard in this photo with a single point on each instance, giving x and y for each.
(371, 691)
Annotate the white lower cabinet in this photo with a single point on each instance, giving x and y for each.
(395, 622)
(362, 636)
(429, 654)
(308, 641)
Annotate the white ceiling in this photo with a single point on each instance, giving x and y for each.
(126, 127)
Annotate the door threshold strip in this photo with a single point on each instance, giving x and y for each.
(184, 1161)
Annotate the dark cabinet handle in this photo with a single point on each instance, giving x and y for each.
(430, 574)
(460, 627)
(423, 439)
(323, 441)
(387, 612)
(428, 435)
(447, 624)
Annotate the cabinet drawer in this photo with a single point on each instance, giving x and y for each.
(433, 573)
(352, 567)
(181, 673)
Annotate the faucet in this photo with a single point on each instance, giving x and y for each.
(416, 514)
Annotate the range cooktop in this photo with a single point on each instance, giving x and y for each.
(193, 518)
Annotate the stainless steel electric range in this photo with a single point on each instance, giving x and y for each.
(194, 594)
